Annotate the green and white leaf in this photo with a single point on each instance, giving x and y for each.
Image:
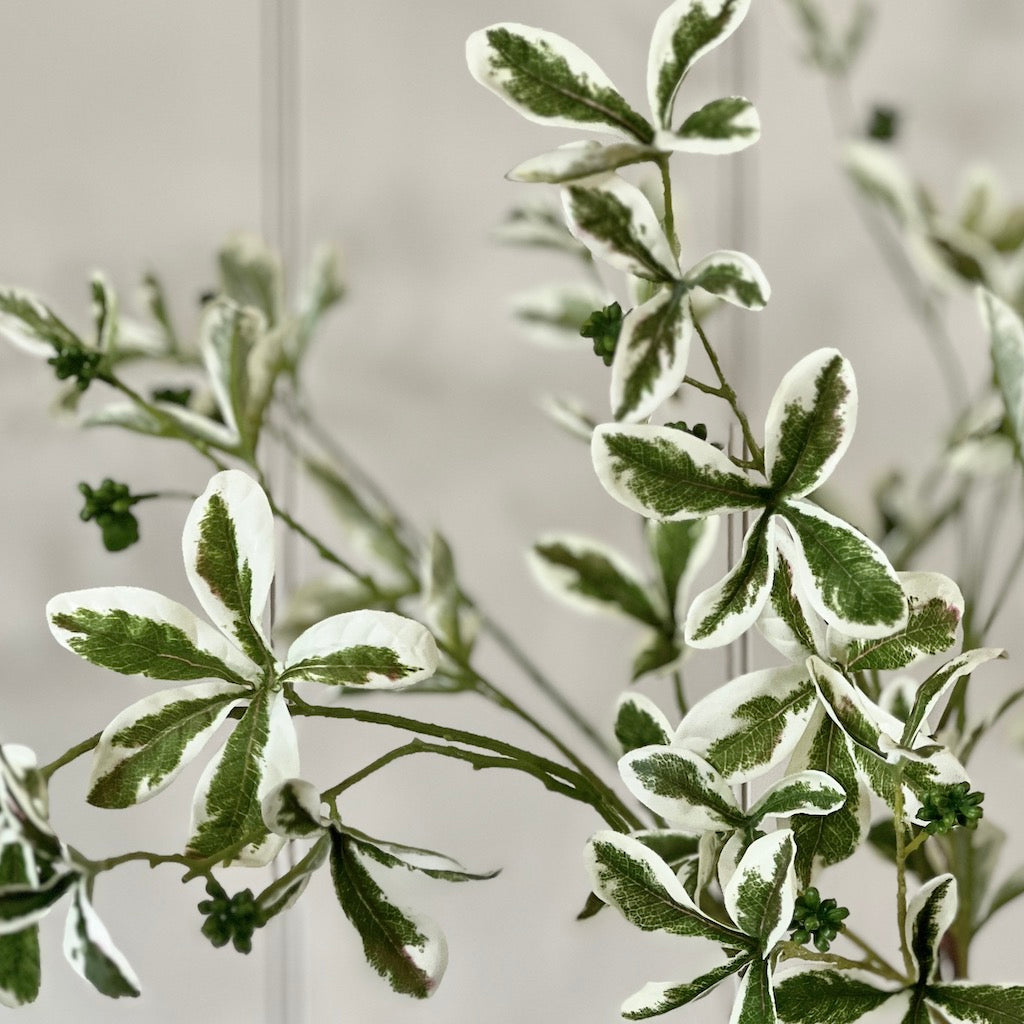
(22, 906)
(541, 226)
(863, 721)
(293, 810)
(373, 649)
(657, 997)
(727, 609)
(936, 607)
(939, 682)
(592, 577)
(788, 623)
(29, 324)
(1006, 339)
(804, 793)
(963, 1003)
(664, 473)
(92, 953)
(828, 996)
(751, 724)
(260, 754)
(146, 746)
(822, 841)
(228, 546)
(645, 890)
(553, 314)
(250, 275)
(413, 858)
(761, 893)
(569, 414)
(883, 179)
(651, 355)
(165, 420)
(323, 287)
(683, 33)
(657, 651)
(682, 787)
(550, 80)
(681, 549)
(577, 160)
(139, 632)
(725, 125)
(755, 999)
(617, 223)
(847, 578)
(104, 312)
(19, 951)
(409, 951)
(639, 722)
(810, 422)
(732, 276)
(930, 912)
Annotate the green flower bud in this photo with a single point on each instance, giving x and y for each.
(949, 807)
(604, 327)
(78, 362)
(884, 123)
(817, 920)
(230, 918)
(109, 505)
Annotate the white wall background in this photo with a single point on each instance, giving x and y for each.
(131, 140)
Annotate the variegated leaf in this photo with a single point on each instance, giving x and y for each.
(651, 355)
(938, 683)
(92, 953)
(684, 32)
(407, 950)
(553, 314)
(639, 722)
(550, 80)
(104, 312)
(373, 649)
(664, 473)
(644, 889)
(930, 912)
(164, 419)
(962, 1003)
(19, 951)
(725, 125)
(682, 787)
(292, 810)
(283, 893)
(875, 170)
(657, 997)
(810, 422)
(228, 546)
(828, 996)
(733, 276)
(136, 631)
(260, 754)
(761, 894)
(29, 324)
(805, 793)
(22, 906)
(755, 998)
(787, 622)
(935, 606)
(591, 577)
(580, 160)
(1006, 338)
(146, 746)
(822, 841)
(413, 858)
(730, 607)
(846, 577)
(751, 724)
(250, 275)
(863, 721)
(681, 549)
(617, 223)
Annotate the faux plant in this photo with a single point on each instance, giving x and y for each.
(852, 740)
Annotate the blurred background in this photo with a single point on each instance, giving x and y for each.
(135, 138)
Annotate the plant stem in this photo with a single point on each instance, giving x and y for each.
(729, 395)
(901, 873)
(790, 951)
(679, 692)
(71, 755)
(598, 795)
(883, 966)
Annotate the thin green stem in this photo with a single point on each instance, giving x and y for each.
(729, 395)
(679, 692)
(791, 951)
(901, 872)
(598, 796)
(916, 843)
(71, 755)
(882, 964)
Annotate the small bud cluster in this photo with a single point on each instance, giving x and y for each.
(603, 326)
(76, 361)
(230, 918)
(884, 123)
(951, 807)
(175, 396)
(817, 919)
(110, 505)
(698, 430)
